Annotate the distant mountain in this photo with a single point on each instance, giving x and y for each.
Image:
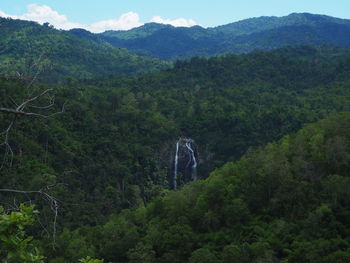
(163, 41)
(81, 54)
(138, 32)
(167, 42)
(254, 25)
(78, 53)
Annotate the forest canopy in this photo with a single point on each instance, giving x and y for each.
(271, 129)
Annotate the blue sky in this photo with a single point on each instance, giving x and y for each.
(124, 14)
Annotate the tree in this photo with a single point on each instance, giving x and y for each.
(141, 253)
(15, 245)
(34, 102)
(90, 260)
(203, 255)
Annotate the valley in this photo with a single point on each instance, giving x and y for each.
(165, 144)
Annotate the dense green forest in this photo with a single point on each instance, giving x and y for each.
(263, 33)
(63, 55)
(285, 202)
(96, 152)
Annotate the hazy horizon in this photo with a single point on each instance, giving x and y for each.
(103, 15)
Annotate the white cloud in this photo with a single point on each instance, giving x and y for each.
(175, 22)
(124, 22)
(44, 13)
(3, 14)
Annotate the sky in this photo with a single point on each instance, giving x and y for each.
(101, 15)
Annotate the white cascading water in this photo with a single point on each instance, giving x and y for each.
(176, 159)
(194, 165)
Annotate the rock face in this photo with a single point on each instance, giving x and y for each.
(185, 162)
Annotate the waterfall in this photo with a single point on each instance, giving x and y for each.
(193, 158)
(176, 159)
(185, 162)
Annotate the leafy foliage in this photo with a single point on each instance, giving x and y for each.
(64, 55)
(112, 149)
(113, 146)
(15, 245)
(264, 33)
(90, 260)
(285, 202)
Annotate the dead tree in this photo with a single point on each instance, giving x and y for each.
(51, 200)
(35, 102)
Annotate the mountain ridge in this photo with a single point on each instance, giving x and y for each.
(169, 43)
(291, 19)
(166, 42)
(77, 54)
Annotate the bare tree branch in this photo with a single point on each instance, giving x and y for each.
(53, 202)
(33, 101)
(5, 143)
(31, 114)
(13, 101)
(29, 100)
(20, 110)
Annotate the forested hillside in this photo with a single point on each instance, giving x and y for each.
(114, 145)
(285, 202)
(89, 134)
(63, 55)
(263, 33)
